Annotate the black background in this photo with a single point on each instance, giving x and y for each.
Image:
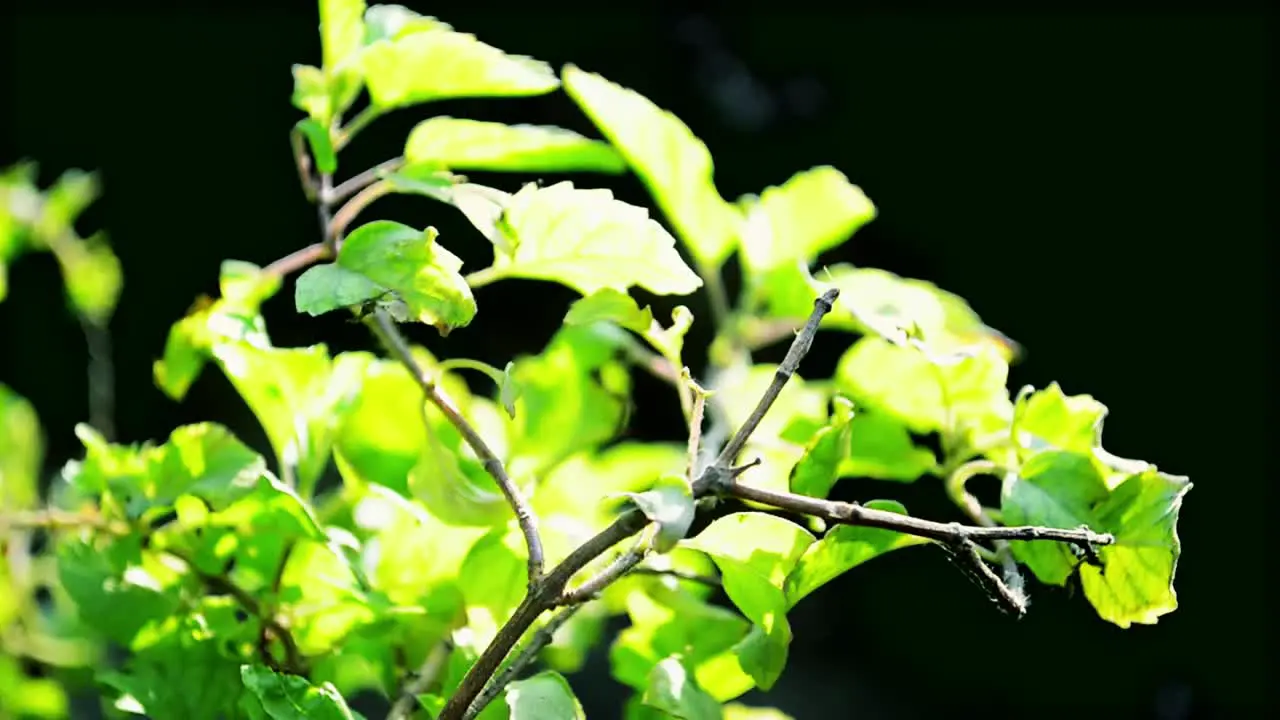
(1091, 183)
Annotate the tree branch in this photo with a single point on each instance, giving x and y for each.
(337, 226)
(541, 638)
(708, 580)
(298, 260)
(356, 183)
(384, 328)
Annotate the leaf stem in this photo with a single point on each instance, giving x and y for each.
(299, 260)
(356, 183)
(480, 278)
(359, 122)
(353, 207)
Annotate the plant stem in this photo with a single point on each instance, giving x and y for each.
(384, 328)
(353, 207)
(480, 278)
(542, 637)
(298, 260)
(356, 183)
(353, 128)
(421, 681)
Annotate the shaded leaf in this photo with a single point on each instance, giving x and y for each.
(545, 696)
(669, 503)
(422, 273)
(842, 549)
(289, 697)
(1053, 489)
(23, 453)
(493, 580)
(1135, 582)
(672, 690)
(881, 447)
(328, 287)
(817, 470)
(318, 140)
(610, 305)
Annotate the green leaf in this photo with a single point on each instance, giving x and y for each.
(881, 447)
(842, 549)
(1135, 582)
(460, 144)
(119, 591)
(182, 673)
(673, 163)
(299, 395)
(817, 471)
(437, 64)
(321, 601)
(233, 318)
(814, 211)
(22, 695)
(409, 262)
(672, 690)
(328, 287)
(609, 305)
(545, 696)
(669, 503)
(587, 240)
(391, 22)
(23, 453)
(962, 396)
(578, 487)
(494, 579)
(509, 389)
(204, 460)
(668, 621)
(573, 398)
(451, 480)
(92, 275)
(755, 553)
(341, 31)
(321, 146)
(311, 94)
(289, 697)
(1053, 489)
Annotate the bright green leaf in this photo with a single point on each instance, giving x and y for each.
(311, 93)
(328, 287)
(962, 396)
(673, 163)
(672, 690)
(1053, 489)
(573, 398)
(737, 394)
(545, 696)
(843, 548)
(92, 275)
(23, 453)
(1135, 582)
(755, 553)
(289, 697)
(610, 305)
(493, 580)
(817, 471)
(118, 591)
(317, 137)
(588, 240)
(579, 486)
(880, 447)
(669, 503)
(299, 396)
(391, 22)
(437, 64)
(451, 480)
(409, 262)
(460, 144)
(812, 212)
(233, 318)
(341, 31)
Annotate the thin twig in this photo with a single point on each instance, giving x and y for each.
(620, 566)
(358, 182)
(54, 519)
(298, 260)
(224, 585)
(708, 580)
(695, 424)
(420, 681)
(101, 372)
(799, 348)
(353, 207)
(302, 161)
(955, 486)
(386, 331)
(541, 638)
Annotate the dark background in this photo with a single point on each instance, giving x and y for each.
(1091, 183)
